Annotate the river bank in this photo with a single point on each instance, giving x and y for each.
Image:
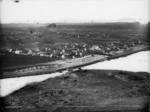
(130, 63)
(128, 52)
(83, 90)
(68, 64)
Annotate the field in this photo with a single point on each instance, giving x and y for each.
(88, 33)
(83, 90)
(37, 37)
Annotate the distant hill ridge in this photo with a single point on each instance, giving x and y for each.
(44, 24)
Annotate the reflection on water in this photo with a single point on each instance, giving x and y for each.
(136, 62)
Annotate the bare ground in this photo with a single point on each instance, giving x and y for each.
(84, 90)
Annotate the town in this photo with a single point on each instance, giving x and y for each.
(24, 46)
(73, 50)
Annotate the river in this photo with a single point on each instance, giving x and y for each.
(138, 62)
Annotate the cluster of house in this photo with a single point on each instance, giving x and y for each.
(66, 50)
(59, 50)
(73, 50)
(113, 46)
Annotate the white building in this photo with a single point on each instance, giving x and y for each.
(17, 51)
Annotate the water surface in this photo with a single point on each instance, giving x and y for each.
(138, 62)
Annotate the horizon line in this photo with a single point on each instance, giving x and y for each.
(75, 22)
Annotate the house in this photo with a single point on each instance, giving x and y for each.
(63, 56)
(17, 51)
(30, 51)
(10, 50)
(51, 55)
(80, 54)
(95, 47)
(73, 57)
(85, 49)
(63, 51)
(108, 48)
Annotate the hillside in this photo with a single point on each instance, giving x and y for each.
(87, 90)
(27, 34)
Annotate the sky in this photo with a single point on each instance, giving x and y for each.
(43, 11)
